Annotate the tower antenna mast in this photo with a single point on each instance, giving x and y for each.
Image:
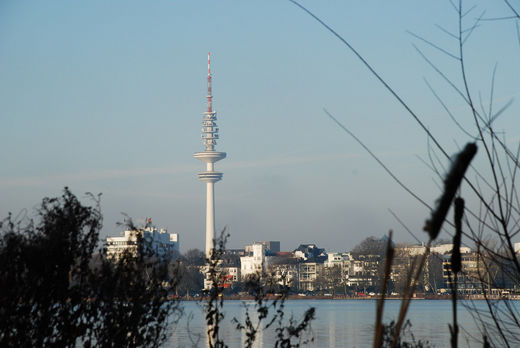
(209, 97)
(209, 156)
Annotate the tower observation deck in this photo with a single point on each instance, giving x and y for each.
(209, 156)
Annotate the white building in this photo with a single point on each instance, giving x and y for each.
(308, 274)
(362, 270)
(283, 267)
(255, 260)
(441, 249)
(447, 248)
(273, 246)
(232, 271)
(159, 241)
(337, 259)
(285, 274)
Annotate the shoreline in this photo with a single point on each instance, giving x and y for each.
(361, 298)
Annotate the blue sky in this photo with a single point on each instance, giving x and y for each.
(108, 97)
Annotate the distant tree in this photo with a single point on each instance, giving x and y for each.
(329, 279)
(54, 294)
(432, 278)
(371, 246)
(194, 257)
(191, 280)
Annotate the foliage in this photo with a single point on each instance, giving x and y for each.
(406, 338)
(194, 257)
(53, 294)
(269, 310)
(371, 246)
(191, 280)
(214, 302)
(329, 278)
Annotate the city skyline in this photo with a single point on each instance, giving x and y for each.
(107, 98)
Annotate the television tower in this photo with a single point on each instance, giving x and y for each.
(210, 156)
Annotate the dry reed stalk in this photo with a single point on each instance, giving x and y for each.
(379, 329)
(456, 267)
(411, 283)
(451, 185)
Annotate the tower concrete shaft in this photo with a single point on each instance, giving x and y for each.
(210, 156)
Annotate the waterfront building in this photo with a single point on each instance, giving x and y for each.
(271, 246)
(480, 273)
(233, 271)
(414, 250)
(447, 248)
(337, 259)
(238, 252)
(285, 274)
(340, 261)
(310, 252)
(283, 266)
(255, 261)
(157, 241)
(230, 265)
(311, 259)
(308, 274)
(470, 276)
(363, 271)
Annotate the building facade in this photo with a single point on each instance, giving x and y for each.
(255, 261)
(156, 241)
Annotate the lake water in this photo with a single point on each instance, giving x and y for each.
(338, 323)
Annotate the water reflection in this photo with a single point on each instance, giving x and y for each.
(259, 341)
(339, 323)
(332, 328)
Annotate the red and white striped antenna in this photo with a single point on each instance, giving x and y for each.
(209, 97)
